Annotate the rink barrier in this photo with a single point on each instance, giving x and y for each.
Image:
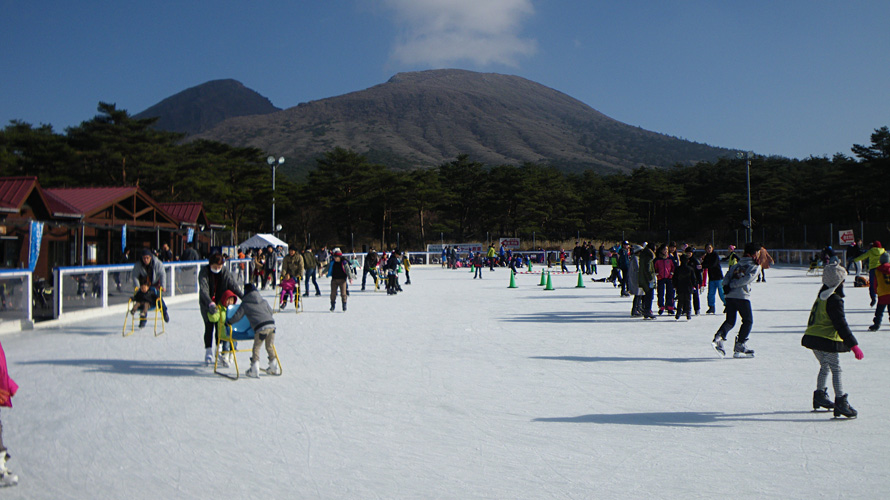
(16, 290)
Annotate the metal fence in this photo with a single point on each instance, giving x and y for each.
(16, 300)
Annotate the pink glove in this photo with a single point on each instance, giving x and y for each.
(857, 352)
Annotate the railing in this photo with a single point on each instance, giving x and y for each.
(16, 300)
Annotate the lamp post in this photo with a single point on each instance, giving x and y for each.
(747, 155)
(274, 164)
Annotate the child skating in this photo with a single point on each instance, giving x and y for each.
(828, 335)
(259, 314)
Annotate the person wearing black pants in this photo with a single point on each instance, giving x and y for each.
(213, 281)
(736, 284)
(370, 267)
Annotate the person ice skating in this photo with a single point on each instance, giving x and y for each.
(259, 314)
(370, 267)
(149, 267)
(648, 280)
(828, 335)
(392, 277)
(874, 260)
(406, 265)
(144, 298)
(312, 267)
(711, 264)
(882, 289)
(738, 294)
(684, 280)
(213, 282)
(697, 277)
(665, 267)
(339, 271)
(478, 262)
(8, 388)
(731, 258)
(765, 260)
(633, 284)
(292, 264)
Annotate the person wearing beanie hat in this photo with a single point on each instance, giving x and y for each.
(882, 288)
(827, 335)
(339, 271)
(874, 260)
(738, 294)
(731, 258)
(215, 284)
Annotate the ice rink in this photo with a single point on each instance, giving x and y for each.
(456, 388)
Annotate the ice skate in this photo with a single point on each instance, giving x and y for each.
(842, 407)
(742, 351)
(223, 360)
(7, 478)
(254, 370)
(710, 311)
(273, 369)
(717, 343)
(874, 328)
(344, 307)
(820, 400)
(208, 356)
(333, 306)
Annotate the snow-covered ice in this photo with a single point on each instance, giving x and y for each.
(456, 388)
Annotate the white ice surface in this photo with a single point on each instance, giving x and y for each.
(456, 388)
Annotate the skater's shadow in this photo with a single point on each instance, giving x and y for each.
(687, 419)
(582, 359)
(572, 317)
(128, 366)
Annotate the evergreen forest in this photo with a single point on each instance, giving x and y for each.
(349, 201)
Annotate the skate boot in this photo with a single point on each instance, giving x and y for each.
(660, 311)
(223, 360)
(842, 407)
(718, 345)
(710, 311)
(7, 478)
(875, 327)
(254, 370)
(742, 351)
(273, 368)
(208, 356)
(344, 307)
(820, 400)
(333, 306)
(142, 321)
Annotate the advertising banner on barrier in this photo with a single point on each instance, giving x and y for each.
(462, 248)
(34, 248)
(509, 243)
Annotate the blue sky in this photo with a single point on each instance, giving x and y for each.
(793, 78)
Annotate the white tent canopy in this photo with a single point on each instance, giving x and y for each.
(261, 240)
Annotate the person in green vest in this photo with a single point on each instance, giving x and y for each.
(828, 335)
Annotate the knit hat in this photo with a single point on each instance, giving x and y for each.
(337, 251)
(227, 294)
(833, 275)
(731, 248)
(877, 244)
(144, 252)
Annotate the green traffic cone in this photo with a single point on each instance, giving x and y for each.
(543, 279)
(512, 280)
(529, 266)
(473, 269)
(580, 282)
(549, 283)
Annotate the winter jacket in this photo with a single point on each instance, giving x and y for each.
(696, 271)
(371, 260)
(271, 262)
(739, 276)
(647, 276)
(340, 270)
(764, 259)
(683, 279)
(292, 265)
(664, 267)
(211, 287)
(310, 261)
(257, 310)
(633, 275)
(873, 255)
(189, 254)
(827, 329)
(711, 263)
(155, 268)
(882, 283)
(8, 387)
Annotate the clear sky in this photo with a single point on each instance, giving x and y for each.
(791, 77)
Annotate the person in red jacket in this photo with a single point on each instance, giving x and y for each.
(882, 290)
(8, 388)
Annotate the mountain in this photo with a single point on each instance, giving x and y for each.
(422, 119)
(202, 107)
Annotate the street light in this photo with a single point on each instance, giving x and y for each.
(747, 155)
(274, 164)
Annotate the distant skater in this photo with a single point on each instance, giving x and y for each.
(738, 295)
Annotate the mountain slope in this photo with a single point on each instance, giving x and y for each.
(202, 107)
(422, 119)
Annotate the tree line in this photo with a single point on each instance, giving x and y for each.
(348, 200)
